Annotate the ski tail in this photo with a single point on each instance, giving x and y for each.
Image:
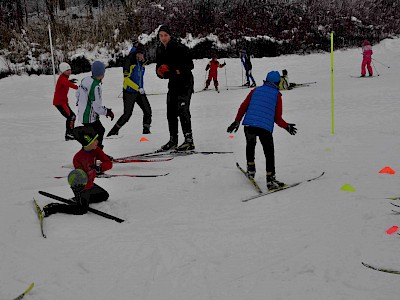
(380, 269)
(40, 216)
(26, 292)
(252, 180)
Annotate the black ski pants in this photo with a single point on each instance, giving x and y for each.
(178, 106)
(129, 102)
(67, 113)
(267, 143)
(83, 199)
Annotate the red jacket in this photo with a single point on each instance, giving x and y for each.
(84, 160)
(278, 110)
(61, 92)
(213, 65)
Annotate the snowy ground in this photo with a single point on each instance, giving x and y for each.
(188, 235)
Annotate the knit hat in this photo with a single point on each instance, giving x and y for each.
(365, 43)
(284, 72)
(64, 67)
(273, 77)
(85, 135)
(165, 28)
(98, 69)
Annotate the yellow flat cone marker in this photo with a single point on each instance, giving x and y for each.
(387, 170)
(143, 139)
(348, 188)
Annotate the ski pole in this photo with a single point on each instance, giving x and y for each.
(377, 74)
(226, 78)
(381, 63)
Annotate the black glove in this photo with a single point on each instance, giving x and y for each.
(97, 169)
(291, 129)
(233, 127)
(110, 114)
(77, 189)
(224, 64)
(73, 80)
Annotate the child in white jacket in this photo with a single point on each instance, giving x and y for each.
(90, 106)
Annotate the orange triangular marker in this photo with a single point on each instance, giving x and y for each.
(387, 170)
(143, 139)
(392, 230)
(231, 136)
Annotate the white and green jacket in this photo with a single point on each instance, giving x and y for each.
(89, 100)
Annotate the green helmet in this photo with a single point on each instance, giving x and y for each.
(77, 177)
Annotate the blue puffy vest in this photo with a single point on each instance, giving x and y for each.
(261, 110)
(134, 81)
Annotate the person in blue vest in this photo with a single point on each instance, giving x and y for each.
(261, 109)
(133, 91)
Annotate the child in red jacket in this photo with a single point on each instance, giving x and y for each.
(82, 178)
(367, 58)
(60, 100)
(213, 66)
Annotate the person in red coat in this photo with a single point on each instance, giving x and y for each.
(60, 100)
(367, 59)
(213, 66)
(82, 178)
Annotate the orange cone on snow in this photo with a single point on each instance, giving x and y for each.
(387, 170)
(143, 139)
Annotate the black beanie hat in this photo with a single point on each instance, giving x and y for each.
(165, 28)
(85, 135)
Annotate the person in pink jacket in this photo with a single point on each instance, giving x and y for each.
(367, 58)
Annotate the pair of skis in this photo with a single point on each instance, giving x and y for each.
(104, 175)
(71, 202)
(261, 193)
(172, 153)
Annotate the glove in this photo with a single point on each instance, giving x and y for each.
(224, 64)
(97, 169)
(77, 189)
(110, 114)
(291, 129)
(163, 71)
(233, 127)
(73, 80)
(141, 91)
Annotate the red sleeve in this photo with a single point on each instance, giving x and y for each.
(243, 107)
(72, 85)
(278, 113)
(106, 163)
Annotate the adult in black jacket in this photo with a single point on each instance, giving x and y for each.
(174, 62)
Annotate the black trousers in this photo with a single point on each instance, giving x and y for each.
(129, 100)
(178, 106)
(67, 113)
(83, 199)
(99, 129)
(267, 143)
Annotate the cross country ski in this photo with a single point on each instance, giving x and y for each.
(119, 175)
(26, 292)
(380, 269)
(251, 179)
(92, 210)
(283, 188)
(40, 216)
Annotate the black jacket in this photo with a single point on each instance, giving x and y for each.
(177, 57)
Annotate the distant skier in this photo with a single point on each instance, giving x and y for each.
(82, 178)
(90, 106)
(213, 66)
(284, 84)
(367, 59)
(133, 91)
(60, 100)
(262, 108)
(245, 59)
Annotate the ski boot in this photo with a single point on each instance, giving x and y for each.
(50, 209)
(146, 129)
(251, 169)
(171, 145)
(114, 130)
(272, 183)
(187, 144)
(247, 84)
(253, 85)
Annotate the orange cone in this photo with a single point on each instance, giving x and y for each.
(387, 170)
(143, 139)
(392, 230)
